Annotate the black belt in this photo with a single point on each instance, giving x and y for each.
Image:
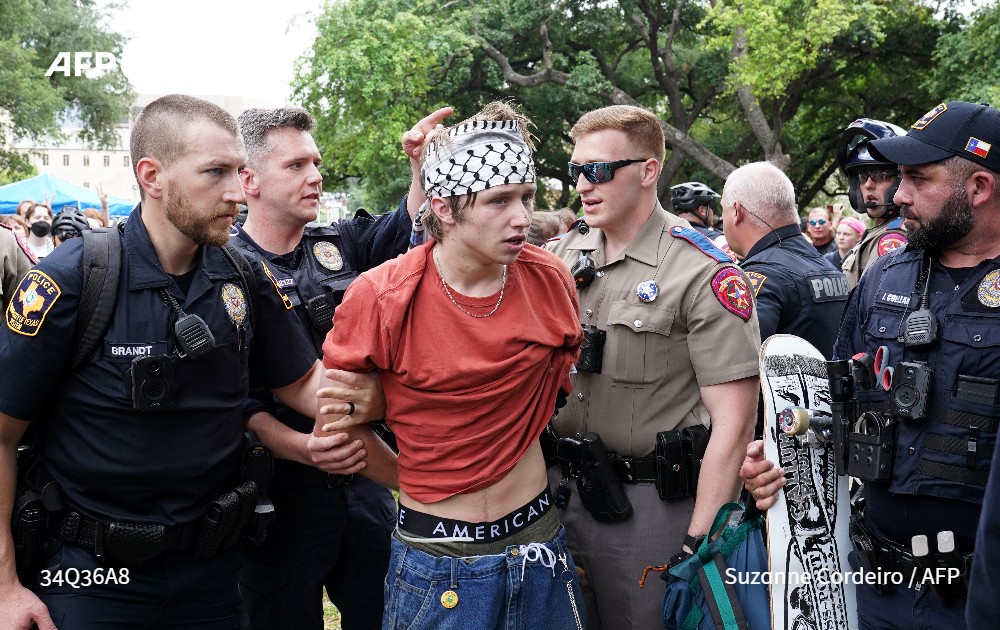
(628, 469)
(895, 554)
(99, 538)
(634, 469)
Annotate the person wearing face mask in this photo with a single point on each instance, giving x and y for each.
(40, 241)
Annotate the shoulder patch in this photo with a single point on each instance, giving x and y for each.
(277, 289)
(31, 302)
(889, 243)
(757, 280)
(702, 242)
(731, 290)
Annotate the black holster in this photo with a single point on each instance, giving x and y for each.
(678, 461)
(30, 531)
(258, 466)
(600, 488)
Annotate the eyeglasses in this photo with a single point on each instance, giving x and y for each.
(598, 172)
(817, 221)
(879, 177)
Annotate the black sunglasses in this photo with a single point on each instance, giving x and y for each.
(598, 172)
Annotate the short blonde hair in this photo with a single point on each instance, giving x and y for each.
(642, 127)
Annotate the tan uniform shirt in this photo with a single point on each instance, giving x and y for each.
(15, 261)
(659, 352)
(868, 251)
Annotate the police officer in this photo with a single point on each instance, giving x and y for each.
(139, 447)
(69, 223)
(871, 185)
(696, 203)
(798, 291)
(332, 531)
(15, 261)
(925, 320)
(656, 297)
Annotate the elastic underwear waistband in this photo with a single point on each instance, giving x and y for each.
(447, 529)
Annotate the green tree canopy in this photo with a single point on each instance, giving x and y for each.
(732, 81)
(32, 33)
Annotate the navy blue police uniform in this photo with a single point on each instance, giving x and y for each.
(330, 531)
(113, 474)
(710, 232)
(798, 291)
(941, 462)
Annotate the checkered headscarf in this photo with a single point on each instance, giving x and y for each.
(477, 155)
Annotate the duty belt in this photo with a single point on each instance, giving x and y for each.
(634, 469)
(137, 542)
(628, 469)
(888, 555)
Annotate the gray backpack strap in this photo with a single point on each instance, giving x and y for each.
(102, 261)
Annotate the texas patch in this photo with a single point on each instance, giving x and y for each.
(890, 243)
(756, 281)
(731, 290)
(31, 302)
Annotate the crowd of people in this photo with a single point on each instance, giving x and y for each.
(240, 398)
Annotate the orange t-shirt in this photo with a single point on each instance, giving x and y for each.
(465, 396)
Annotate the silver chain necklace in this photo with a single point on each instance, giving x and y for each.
(503, 284)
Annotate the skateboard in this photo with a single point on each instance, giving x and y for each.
(807, 529)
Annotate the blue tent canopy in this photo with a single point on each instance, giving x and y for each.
(62, 193)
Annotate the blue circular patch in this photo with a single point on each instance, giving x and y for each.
(647, 291)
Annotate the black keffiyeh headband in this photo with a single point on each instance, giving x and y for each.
(477, 155)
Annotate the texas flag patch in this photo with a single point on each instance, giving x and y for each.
(977, 146)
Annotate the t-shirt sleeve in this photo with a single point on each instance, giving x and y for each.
(358, 341)
(281, 353)
(723, 332)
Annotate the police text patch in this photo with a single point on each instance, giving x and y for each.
(31, 303)
(129, 351)
(831, 288)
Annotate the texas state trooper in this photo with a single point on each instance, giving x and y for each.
(331, 530)
(139, 448)
(872, 183)
(656, 298)
(919, 369)
(15, 261)
(798, 291)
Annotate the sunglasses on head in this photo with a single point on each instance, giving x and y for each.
(598, 172)
(817, 221)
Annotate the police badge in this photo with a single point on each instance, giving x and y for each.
(328, 255)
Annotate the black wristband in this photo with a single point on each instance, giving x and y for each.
(693, 542)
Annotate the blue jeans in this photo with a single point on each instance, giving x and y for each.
(527, 586)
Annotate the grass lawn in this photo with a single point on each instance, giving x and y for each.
(331, 616)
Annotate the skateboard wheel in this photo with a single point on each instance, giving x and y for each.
(794, 421)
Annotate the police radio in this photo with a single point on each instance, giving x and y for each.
(921, 326)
